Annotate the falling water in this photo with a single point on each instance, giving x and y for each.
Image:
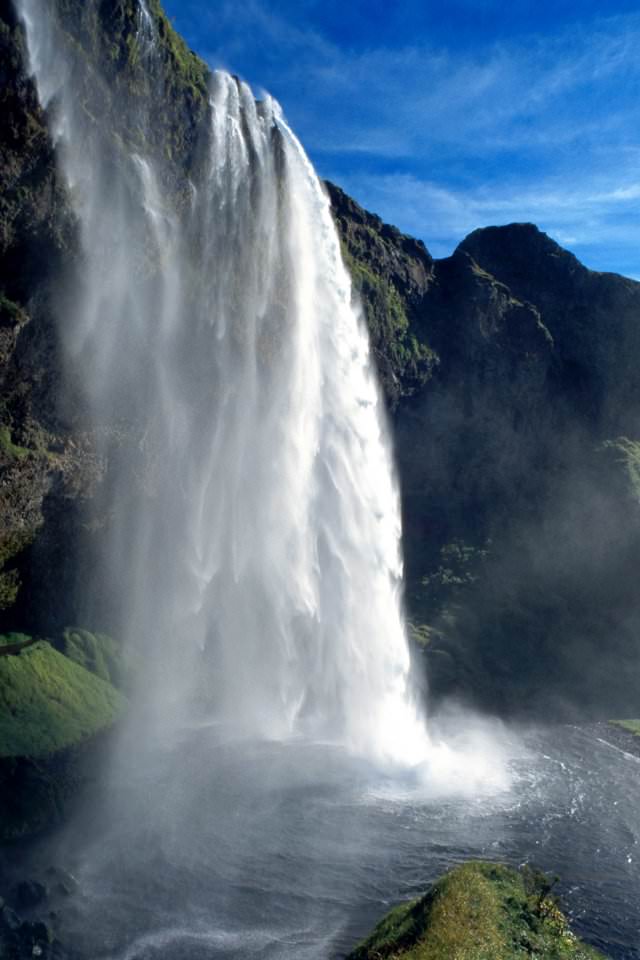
(254, 543)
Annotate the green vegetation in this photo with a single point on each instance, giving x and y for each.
(96, 652)
(460, 566)
(12, 643)
(49, 703)
(392, 338)
(421, 634)
(633, 726)
(8, 447)
(478, 911)
(11, 639)
(9, 587)
(10, 546)
(12, 310)
(192, 71)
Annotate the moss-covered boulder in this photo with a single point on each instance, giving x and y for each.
(478, 911)
(49, 703)
(54, 717)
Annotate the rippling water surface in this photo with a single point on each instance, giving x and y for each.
(221, 849)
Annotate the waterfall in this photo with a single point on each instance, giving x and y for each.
(253, 546)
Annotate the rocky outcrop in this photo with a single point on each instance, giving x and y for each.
(27, 924)
(393, 273)
(517, 459)
(35, 231)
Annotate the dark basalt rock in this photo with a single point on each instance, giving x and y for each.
(52, 504)
(31, 939)
(516, 459)
(9, 920)
(392, 273)
(30, 930)
(28, 894)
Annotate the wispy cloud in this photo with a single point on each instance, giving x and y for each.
(441, 137)
(405, 101)
(585, 217)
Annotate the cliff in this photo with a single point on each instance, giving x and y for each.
(517, 453)
(53, 504)
(509, 371)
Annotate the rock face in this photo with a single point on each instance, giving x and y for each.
(518, 461)
(52, 512)
(510, 374)
(26, 930)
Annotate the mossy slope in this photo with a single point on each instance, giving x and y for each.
(478, 911)
(96, 652)
(633, 726)
(49, 703)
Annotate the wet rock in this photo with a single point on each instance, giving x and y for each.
(9, 920)
(63, 883)
(28, 894)
(58, 952)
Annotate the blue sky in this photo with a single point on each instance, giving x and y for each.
(442, 117)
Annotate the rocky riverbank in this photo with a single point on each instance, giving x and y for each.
(28, 922)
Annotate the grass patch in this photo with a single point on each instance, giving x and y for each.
(633, 726)
(9, 447)
(12, 639)
(49, 703)
(96, 652)
(478, 911)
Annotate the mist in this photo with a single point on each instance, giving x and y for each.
(313, 733)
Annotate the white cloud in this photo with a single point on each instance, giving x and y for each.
(532, 91)
(540, 128)
(587, 215)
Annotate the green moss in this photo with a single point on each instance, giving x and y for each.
(96, 652)
(422, 634)
(11, 639)
(478, 911)
(192, 71)
(460, 565)
(410, 359)
(8, 447)
(9, 588)
(11, 310)
(48, 703)
(10, 546)
(113, 64)
(633, 726)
